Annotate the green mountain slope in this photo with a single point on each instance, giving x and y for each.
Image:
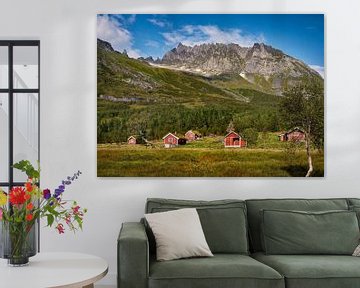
(120, 76)
(135, 97)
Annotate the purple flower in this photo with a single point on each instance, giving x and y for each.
(64, 183)
(46, 194)
(58, 192)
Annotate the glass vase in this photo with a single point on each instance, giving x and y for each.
(18, 242)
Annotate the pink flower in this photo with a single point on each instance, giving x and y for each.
(60, 228)
(1, 214)
(76, 210)
(68, 219)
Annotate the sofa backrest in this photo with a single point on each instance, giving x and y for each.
(353, 202)
(223, 221)
(256, 205)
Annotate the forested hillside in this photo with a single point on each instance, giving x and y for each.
(135, 97)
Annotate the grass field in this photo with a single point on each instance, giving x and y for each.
(205, 158)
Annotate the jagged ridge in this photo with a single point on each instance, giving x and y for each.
(260, 64)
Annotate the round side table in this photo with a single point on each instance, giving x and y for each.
(54, 270)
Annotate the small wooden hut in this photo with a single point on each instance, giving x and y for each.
(234, 140)
(131, 140)
(296, 135)
(170, 140)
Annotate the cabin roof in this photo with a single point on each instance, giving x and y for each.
(171, 135)
(292, 130)
(193, 131)
(231, 133)
(131, 137)
(295, 129)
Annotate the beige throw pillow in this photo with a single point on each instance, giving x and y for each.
(357, 251)
(178, 234)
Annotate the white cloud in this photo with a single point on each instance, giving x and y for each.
(120, 38)
(124, 19)
(131, 19)
(152, 43)
(319, 69)
(159, 22)
(199, 34)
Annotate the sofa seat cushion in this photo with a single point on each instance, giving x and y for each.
(313, 271)
(222, 270)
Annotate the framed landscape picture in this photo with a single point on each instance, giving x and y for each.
(210, 95)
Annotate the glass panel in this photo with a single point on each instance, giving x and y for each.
(4, 137)
(26, 130)
(4, 67)
(26, 63)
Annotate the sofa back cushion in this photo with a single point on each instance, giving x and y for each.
(298, 232)
(255, 206)
(354, 205)
(353, 201)
(223, 221)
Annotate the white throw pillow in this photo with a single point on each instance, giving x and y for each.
(178, 234)
(357, 251)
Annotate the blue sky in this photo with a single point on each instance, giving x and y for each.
(299, 35)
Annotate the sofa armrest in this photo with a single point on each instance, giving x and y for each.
(133, 256)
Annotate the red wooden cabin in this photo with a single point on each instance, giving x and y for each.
(190, 135)
(170, 140)
(234, 140)
(131, 140)
(295, 135)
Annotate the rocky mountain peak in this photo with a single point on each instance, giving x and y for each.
(260, 46)
(180, 45)
(212, 57)
(104, 45)
(260, 60)
(263, 50)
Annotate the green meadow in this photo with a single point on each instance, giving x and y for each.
(206, 158)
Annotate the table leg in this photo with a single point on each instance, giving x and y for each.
(89, 286)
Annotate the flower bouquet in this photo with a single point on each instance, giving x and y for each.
(21, 208)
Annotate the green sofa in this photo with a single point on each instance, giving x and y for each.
(233, 231)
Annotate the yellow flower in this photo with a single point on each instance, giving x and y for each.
(3, 198)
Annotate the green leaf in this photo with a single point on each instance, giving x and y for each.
(50, 219)
(26, 167)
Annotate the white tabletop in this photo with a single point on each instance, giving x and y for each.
(46, 270)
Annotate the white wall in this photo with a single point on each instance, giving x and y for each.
(67, 30)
